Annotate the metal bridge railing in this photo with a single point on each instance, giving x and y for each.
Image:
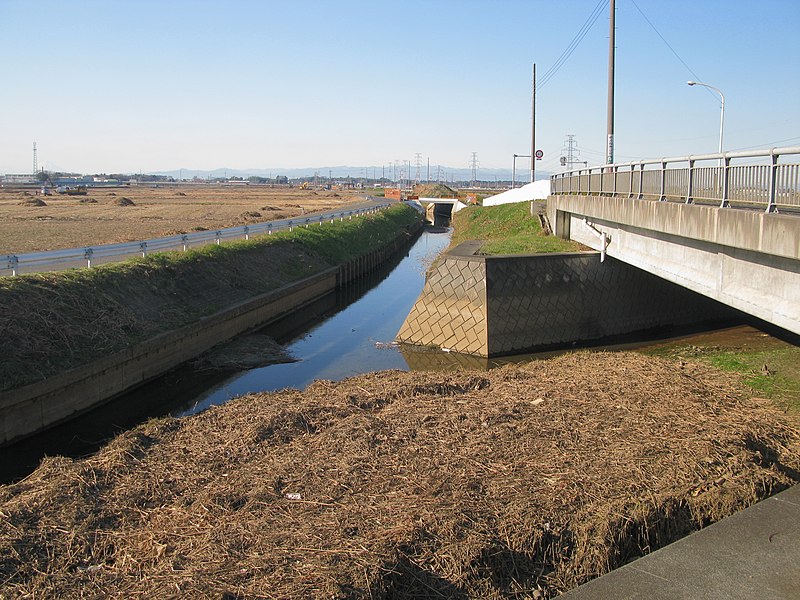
(90, 256)
(763, 181)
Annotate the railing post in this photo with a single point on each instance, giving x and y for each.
(87, 255)
(662, 194)
(602, 177)
(630, 181)
(690, 187)
(726, 162)
(772, 200)
(13, 264)
(185, 240)
(640, 195)
(143, 248)
(269, 229)
(614, 175)
(246, 232)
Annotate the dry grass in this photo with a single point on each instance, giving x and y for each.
(76, 221)
(518, 482)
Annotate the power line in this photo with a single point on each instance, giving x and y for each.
(587, 25)
(663, 39)
(768, 144)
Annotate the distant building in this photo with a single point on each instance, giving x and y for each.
(18, 178)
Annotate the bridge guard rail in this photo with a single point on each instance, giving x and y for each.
(764, 181)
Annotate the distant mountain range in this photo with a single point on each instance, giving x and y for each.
(339, 172)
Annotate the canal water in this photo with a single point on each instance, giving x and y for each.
(344, 334)
(352, 340)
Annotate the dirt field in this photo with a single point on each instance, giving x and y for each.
(517, 483)
(98, 217)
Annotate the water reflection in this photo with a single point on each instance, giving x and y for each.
(354, 340)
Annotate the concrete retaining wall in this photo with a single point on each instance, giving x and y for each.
(32, 408)
(496, 305)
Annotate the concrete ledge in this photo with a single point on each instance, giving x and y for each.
(768, 233)
(752, 554)
(34, 407)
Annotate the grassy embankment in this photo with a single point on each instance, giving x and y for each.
(772, 371)
(55, 321)
(507, 229)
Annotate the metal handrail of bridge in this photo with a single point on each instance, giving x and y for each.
(89, 256)
(766, 183)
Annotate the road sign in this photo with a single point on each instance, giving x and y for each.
(539, 155)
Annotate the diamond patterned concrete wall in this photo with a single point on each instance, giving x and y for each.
(490, 306)
(553, 300)
(451, 311)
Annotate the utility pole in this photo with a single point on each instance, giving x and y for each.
(35, 164)
(533, 126)
(428, 175)
(418, 163)
(610, 120)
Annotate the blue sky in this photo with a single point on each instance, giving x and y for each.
(126, 86)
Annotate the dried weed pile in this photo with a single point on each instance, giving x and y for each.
(32, 202)
(434, 190)
(400, 485)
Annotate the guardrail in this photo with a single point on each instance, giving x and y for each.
(90, 256)
(770, 184)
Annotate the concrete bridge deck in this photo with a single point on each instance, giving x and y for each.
(749, 260)
(742, 250)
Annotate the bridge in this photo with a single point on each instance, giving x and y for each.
(439, 211)
(724, 225)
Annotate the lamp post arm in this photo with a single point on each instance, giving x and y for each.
(722, 109)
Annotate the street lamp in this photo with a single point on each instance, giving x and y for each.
(722, 110)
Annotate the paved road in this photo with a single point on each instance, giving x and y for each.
(754, 554)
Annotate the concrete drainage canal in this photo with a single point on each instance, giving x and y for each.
(342, 334)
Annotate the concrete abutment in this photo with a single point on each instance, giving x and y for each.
(499, 305)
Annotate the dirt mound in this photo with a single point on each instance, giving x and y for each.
(32, 202)
(87, 201)
(112, 194)
(122, 201)
(248, 352)
(249, 215)
(270, 208)
(520, 482)
(434, 190)
(180, 194)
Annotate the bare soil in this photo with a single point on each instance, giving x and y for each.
(98, 218)
(521, 482)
